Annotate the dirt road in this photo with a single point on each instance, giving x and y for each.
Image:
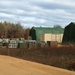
(14, 66)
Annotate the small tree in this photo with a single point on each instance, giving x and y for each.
(26, 35)
(57, 26)
(2, 30)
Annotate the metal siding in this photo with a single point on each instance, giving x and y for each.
(52, 37)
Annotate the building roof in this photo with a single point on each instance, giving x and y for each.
(71, 24)
(54, 30)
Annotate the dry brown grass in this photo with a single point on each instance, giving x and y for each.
(63, 57)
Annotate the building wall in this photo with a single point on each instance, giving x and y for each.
(51, 37)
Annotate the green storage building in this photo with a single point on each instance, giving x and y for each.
(35, 32)
(69, 34)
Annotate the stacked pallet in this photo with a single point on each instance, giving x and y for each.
(13, 44)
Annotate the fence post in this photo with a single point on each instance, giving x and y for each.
(8, 51)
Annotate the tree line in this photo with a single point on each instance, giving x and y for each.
(13, 30)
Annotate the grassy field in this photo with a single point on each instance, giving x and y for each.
(62, 57)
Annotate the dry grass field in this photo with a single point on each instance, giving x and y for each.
(62, 57)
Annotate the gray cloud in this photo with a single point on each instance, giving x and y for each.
(38, 13)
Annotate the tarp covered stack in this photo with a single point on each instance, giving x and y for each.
(69, 34)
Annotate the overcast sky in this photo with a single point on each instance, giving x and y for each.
(38, 12)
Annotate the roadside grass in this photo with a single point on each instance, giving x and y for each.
(62, 57)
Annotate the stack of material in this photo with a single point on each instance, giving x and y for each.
(31, 43)
(42, 44)
(69, 34)
(13, 44)
(22, 45)
(4, 44)
(52, 43)
(1, 44)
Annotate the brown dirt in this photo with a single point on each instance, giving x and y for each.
(14, 66)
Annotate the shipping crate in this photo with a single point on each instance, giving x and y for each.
(52, 43)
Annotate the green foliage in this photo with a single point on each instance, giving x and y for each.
(57, 26)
